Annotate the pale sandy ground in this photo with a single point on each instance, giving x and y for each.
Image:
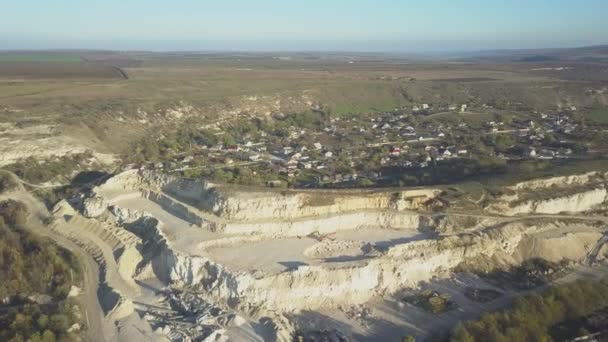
(183, 235)
(276, 255)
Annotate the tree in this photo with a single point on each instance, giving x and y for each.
(409, 338)
(48, 336)
(461, 334)
(582, 332)
(58, 323)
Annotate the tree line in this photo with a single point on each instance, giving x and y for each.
(533, 317)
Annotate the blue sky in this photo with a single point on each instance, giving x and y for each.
(372, 25)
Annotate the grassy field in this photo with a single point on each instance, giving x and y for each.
(39, 57)
(90, 94)
(599, 115)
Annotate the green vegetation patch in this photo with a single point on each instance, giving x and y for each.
(7, 182)
(35, 171)
(36, 278)
(599, 115)
(537, 317)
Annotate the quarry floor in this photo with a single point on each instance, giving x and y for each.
(265, 255)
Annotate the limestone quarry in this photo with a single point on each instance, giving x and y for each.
(184, 259)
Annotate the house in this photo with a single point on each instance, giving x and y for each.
(254, 157)
(287, 150)
(306, 165)
(233, 148)
(274, 184)
(462, 152)
(292, 164)
(463, 108)
(530, 152)
(425, 106)
(395, 151)
(328, 154)
(447, 153)
(317, 146)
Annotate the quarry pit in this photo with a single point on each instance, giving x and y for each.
(276, 261)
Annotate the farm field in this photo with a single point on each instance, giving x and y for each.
(40, 57)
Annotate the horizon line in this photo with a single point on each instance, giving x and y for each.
(253, 51)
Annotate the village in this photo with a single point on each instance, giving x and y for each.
(316, 150)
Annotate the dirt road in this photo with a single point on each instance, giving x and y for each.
(97, 328)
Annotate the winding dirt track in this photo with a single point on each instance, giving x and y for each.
(97, 328)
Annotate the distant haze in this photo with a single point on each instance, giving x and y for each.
(298, 25)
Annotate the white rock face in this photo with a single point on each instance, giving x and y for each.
(294, 205)
(578, 202)
(257, 205)
(581, 179)
(94, 207)
(571, 194)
